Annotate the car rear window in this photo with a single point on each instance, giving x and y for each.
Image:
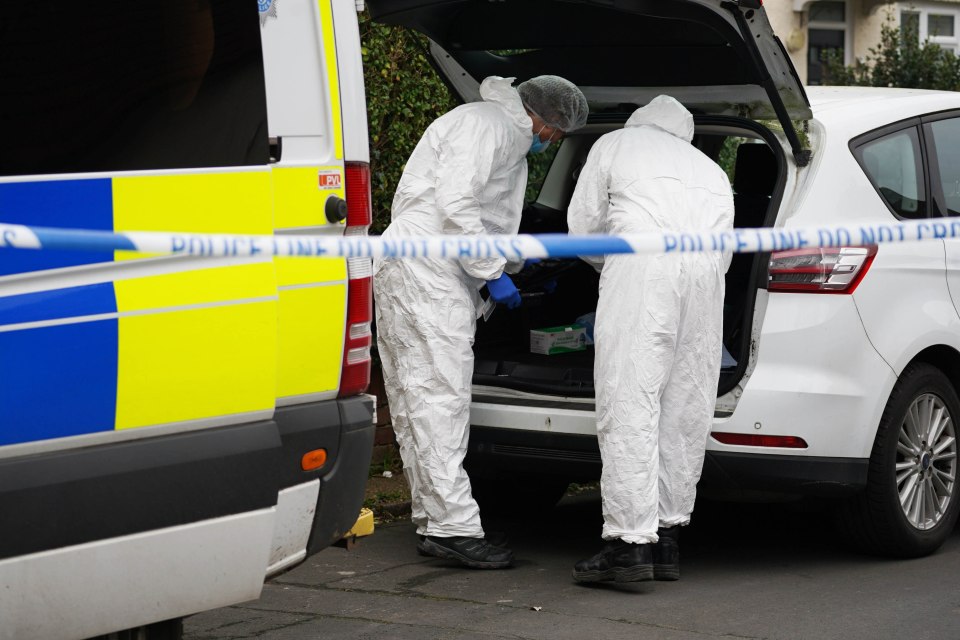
(895, 168)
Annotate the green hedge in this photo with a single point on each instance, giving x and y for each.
(404, 95)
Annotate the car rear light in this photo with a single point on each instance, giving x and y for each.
(753, 440)
(355, 374)
(819, 270)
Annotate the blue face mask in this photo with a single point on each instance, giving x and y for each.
(537, 145)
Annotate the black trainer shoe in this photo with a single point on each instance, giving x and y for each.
(496, 538)
(618, 561)
(666, 554)
(475, 553)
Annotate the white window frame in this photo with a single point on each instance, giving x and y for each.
(846, 26)
(925, 10)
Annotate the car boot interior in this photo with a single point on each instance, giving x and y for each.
(558, 292)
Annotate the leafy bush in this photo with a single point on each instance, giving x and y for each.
(404, 95)
(900, 60)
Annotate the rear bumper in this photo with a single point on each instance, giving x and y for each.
(577, 458)
(345, 429)
(725, 472)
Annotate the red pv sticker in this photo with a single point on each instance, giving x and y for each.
(329, 180)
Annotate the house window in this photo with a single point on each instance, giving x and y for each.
(827, 30)
(934, 22)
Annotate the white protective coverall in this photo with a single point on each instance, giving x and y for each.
(659, 317)
(467, 176)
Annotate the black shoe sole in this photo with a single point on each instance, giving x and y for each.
(427, 547)
(639, 573)
(666, 572)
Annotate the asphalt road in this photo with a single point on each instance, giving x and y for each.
(747, 571)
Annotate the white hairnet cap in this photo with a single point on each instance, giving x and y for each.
(557, 101)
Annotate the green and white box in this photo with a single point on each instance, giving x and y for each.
(552, 340)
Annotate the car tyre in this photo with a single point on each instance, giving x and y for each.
(911, 502)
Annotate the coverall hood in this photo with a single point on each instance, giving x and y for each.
(668, 114)
(502, 92)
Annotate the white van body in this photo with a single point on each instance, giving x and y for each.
(154, 411)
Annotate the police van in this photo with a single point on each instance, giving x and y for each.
(175, 429)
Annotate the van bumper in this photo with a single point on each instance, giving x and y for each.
(345, 429)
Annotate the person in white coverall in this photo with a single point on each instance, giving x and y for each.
(657, 335)
(466, 176)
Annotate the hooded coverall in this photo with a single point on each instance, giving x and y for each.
(466, 176)
(659, 317)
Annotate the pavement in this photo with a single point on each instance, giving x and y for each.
(747, 571)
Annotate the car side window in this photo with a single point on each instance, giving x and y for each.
(946, 141)
(895, 168)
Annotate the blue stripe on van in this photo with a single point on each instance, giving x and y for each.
(59, 303)
(58, 381)
(71, 204)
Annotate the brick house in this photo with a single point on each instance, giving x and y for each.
(807, 27)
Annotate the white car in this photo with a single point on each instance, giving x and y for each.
(842, 363)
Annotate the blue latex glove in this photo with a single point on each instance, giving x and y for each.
(503, 291)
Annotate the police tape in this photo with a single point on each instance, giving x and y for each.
(511, 247)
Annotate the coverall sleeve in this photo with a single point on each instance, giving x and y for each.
(513, 267)
(587, 212)
(467, 155)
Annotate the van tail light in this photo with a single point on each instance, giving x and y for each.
(355, 374)
(753, 440)
(359, 206)
(819, 270)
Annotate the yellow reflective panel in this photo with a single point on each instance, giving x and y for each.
(311, 339)
(197, 287)
(333, 80)
(196, 363)
(292, 271)
(300, 194)
(233, 202)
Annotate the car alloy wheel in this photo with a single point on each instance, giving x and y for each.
(926, 461)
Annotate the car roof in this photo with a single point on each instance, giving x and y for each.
(858, 110)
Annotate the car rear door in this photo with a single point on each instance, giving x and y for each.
(942, 135)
